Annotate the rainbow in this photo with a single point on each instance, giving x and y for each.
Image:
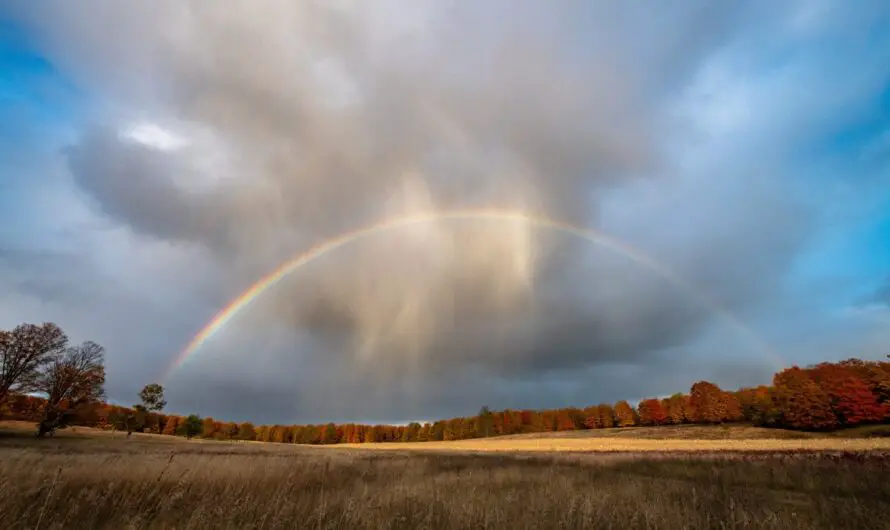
(498, 215)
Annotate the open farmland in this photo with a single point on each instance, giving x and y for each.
(691, 438)
(84, 479)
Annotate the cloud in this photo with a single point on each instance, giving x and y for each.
(228, 141)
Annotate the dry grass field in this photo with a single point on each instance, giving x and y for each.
(610, 445)
(688, 438)
(84, 479)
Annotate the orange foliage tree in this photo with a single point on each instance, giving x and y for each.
(172, 425)
(675, 409)
(624, 414)
(708, 403)
(801, 402)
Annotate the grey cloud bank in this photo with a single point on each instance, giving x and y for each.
(294, 122)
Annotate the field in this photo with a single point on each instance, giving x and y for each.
(692, 438)
(84, 479)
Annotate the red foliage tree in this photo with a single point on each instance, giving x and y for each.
(876, 374)
(851, 397)
(801, 402)
(651, 412)
(732, 406)
(171, 425)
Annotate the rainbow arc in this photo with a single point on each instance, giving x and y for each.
(323, 248)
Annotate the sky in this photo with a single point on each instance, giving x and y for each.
(159, 159)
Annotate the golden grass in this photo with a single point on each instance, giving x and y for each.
(96, 481)
(634, 445)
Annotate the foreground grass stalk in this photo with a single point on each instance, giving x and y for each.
(49, 495)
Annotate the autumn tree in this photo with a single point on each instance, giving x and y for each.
(876, 374)
(329, 434)
(548, 421)
(758, 405)
(607, 415)
(708, 403)
(24, 407)
(801, 402)
(24, 350)
(651, 412)
(208, 427)
(171, 426)
(675, 409)
(624, 414)
(424, 434)
(851, 398)
(453, 429)
(468, 429)
(732, 407)
(70, 380)
(565, 419)
(246, 431)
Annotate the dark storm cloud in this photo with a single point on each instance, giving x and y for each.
(268, 127)
(48, 275)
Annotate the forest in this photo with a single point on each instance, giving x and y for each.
(47, 381)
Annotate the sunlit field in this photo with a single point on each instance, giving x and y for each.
(84, 479)
(686, 439)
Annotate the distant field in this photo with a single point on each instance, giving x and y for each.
(708, 432)
(686, 438)
(633, 445)
(691, 438)
(87, 479)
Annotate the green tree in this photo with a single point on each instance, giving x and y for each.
(192, 426)
(152, 397)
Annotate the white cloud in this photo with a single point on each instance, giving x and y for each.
(154, 136)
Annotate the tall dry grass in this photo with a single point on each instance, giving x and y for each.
(608, 445)
(80, 482)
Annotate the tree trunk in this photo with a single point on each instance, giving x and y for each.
(44, 428)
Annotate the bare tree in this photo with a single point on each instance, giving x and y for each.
(72, 379)
(23, 352)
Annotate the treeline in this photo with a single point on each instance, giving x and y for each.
(823, 397)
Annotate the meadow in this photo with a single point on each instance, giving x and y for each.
(87, 479)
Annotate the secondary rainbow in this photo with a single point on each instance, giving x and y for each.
(487, 214)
